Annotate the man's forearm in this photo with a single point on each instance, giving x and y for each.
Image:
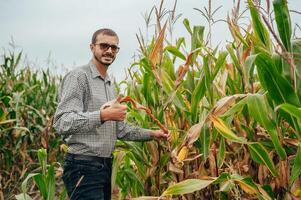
(76, 122)
(127, 132)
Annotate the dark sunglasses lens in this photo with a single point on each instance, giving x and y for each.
(114, 47)
(104, 46)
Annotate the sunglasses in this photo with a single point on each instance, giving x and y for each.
(106, 46)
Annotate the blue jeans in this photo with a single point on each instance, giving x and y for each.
(87, 180)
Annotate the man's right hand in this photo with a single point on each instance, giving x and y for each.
(113, 112)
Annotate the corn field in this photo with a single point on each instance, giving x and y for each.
(234, 113)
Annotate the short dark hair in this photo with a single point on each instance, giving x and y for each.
(104, 31)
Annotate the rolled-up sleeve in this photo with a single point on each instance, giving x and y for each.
(70, 116)
(128, 132)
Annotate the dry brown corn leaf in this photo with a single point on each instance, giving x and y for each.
(137, 106)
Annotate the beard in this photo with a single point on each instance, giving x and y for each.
(100, 59)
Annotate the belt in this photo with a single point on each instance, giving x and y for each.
(71, 157)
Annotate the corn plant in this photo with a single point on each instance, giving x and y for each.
(27, 103)
(45, 180)
(233, 112)
(234, 115)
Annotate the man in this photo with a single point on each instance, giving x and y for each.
(90, 128)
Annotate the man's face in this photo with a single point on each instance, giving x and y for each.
(105, 49)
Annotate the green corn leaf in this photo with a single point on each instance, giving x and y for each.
(278, 87)
(133, 176)
(189, 83)
(261, 156)
(221, 153)
(6, 100)
(197, 95)
(118, 157)
(200, 89)
(260, 31)
(269, 191)
(283, 22)
(145, 88)
(233, 56)
(187, 186)
(192, 185)
(168, 65)
(207, 76)
(205, 141)
(296, 45)
(280, 65)
(180, 41)
(173, 50)
(291, 109)
(296, 170)
(197, 39)
(222, 178)
(50, 180)
(135, 150)
(168, 83)
(168, 86)
(187, 25)
(40, 182)
(250, 65)
(258, 109)
(220, 62)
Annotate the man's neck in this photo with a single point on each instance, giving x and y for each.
(102, 69)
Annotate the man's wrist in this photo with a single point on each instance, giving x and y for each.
(93, 119)
(152, 134)
(102, 116)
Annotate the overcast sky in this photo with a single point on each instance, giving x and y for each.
(63, 28)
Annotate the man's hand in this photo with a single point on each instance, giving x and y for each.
(159, 134)
(114, 112)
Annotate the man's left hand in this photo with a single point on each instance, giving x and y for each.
(159, 134)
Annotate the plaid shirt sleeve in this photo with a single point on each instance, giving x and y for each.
(127, 132)
(70, 116)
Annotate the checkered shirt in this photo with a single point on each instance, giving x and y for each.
(81, 94)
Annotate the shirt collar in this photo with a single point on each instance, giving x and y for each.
(95, 73)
